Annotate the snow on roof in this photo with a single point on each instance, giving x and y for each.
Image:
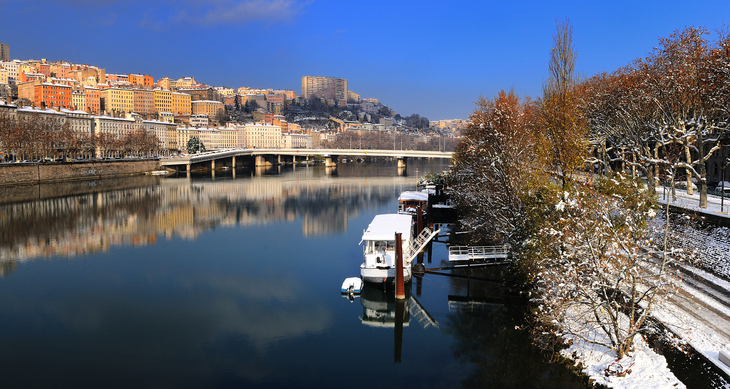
(384, 227)
(78, 111)
(413, 195)
(39, 110)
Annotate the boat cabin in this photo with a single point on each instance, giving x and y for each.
(379, 239)
(409, 201)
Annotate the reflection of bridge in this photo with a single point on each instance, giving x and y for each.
(271, 157)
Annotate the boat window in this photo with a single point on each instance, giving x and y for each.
(378, 246)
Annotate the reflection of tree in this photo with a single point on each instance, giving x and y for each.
(500, 353)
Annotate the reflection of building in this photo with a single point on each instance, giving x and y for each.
(78, 224)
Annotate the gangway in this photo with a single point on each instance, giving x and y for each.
(418, 244)
(471, 253)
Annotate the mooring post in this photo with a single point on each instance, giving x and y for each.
(399, 318)
(419, 227)
(400, 290)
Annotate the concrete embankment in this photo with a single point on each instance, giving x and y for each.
(41, 173)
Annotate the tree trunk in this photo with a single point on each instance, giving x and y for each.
(651, 171)
(688, 155)
(702, 184)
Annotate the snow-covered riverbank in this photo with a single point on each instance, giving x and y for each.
(694, 316)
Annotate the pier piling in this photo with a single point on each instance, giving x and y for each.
(400, 290)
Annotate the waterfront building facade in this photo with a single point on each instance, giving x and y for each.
(262, 136)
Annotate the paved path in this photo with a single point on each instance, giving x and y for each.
(699, 309)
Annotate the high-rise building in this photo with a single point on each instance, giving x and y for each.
(4, 52)
(327, 87)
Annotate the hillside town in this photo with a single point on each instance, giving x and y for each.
(105, 114)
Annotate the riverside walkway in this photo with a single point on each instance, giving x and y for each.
(698, 310)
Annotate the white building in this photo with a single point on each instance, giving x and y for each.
(79, 121)
(296, 141)
(160, 129)
(199, 120)
(13, 68)
(262, 136)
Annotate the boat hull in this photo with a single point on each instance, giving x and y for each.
(383, 275)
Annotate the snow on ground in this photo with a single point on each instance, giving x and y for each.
(648, 369)
(698, 321)
(690, 314)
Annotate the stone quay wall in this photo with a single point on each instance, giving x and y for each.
(38, 173)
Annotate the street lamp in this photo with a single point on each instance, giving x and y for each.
(722, 187)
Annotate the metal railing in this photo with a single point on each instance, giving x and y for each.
(479, 252)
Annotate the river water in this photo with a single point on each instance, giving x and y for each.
(229, 281)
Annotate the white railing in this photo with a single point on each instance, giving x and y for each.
(464, 253)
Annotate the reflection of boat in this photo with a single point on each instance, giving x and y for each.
(378, 241)
(379, 308)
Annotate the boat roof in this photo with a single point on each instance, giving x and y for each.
(384, 227)
(413, 195)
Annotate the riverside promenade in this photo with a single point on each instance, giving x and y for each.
(698, 310)
(717, 210)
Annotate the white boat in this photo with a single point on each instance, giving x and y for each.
(351, 285)
(378, 241)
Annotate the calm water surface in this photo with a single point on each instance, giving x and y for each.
(234, 282)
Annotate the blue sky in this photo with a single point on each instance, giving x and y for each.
(425, 57)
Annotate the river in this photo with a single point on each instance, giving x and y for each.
(223, 282)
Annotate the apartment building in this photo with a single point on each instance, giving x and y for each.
(208, 107)
(163, 100)
(78, 99)
(296, 141)
(13, 68)
(53, 95)
(144, 80)
(164, 83)
(4, 52)
(79, 122)
(93, 99)
(330, 88)
(117, 100)
(262, 136)
(144, 102)
(181, 104)
(161, 130)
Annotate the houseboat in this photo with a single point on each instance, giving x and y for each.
(378, 242)
(409, 201)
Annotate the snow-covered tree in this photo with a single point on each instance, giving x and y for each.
(592, 268)
(494, 164)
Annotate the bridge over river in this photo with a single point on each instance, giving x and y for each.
(272, 157)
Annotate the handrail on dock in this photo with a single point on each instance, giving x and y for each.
(464, 253)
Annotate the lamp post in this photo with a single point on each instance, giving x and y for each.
(722, 187)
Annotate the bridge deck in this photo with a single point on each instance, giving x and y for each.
(215, 155)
